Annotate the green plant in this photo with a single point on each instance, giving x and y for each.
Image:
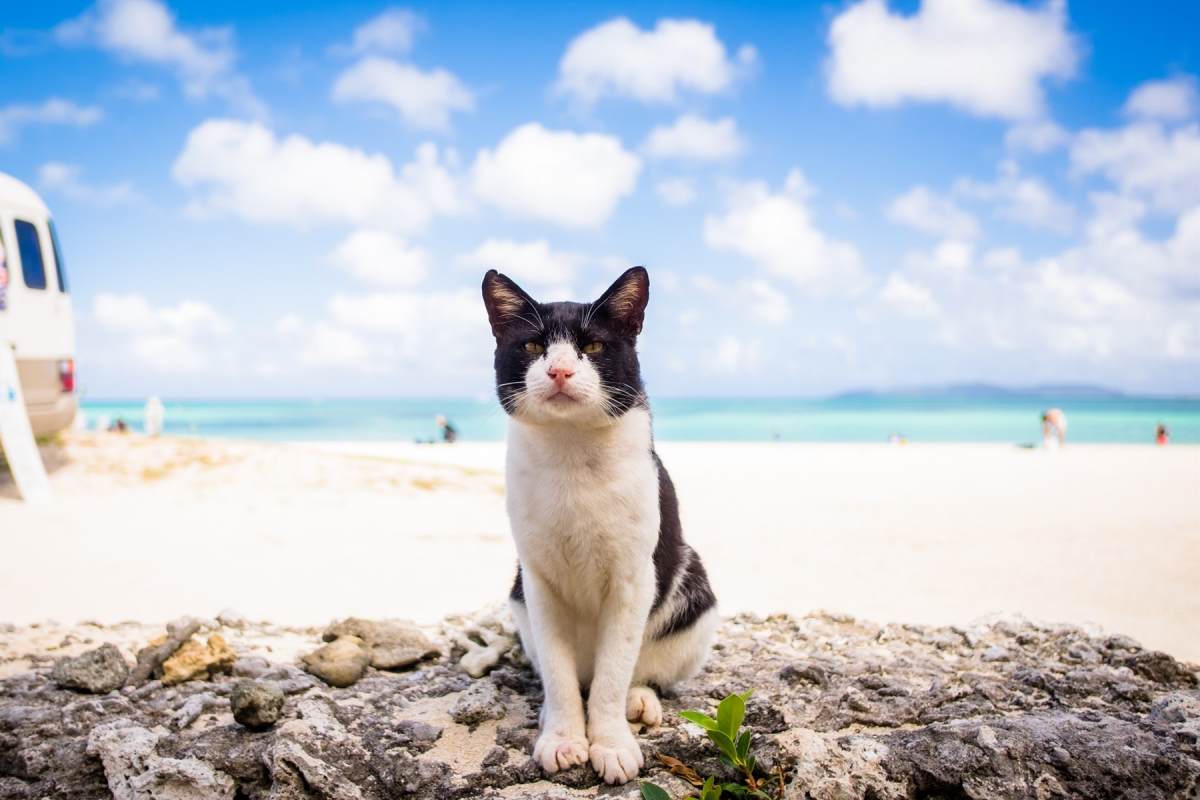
(726, 732)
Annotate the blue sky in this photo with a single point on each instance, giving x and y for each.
(297, 200)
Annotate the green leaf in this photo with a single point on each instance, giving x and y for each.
(746, 695)
(703, 720)
(736, 789)
(761, 794)
(724, 744)
(743, 745)
(751, 763)
(710, 791)
(652, 791)
(730, 714)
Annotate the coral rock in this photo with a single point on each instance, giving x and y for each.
(339, 663)
(390, 644)
(98, 671)
(194, 660)
(255, 704)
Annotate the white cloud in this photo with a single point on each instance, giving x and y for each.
(951, 258)
(242, 168)
(1021, 198)
(766, 302)
(1183, 341)
(1145, 159)
(618, 59)
(163, 338)
(444, 330)
(54, 176)
(1002, 259)
(676, 191)
(533, 262)
(382, 259)
(132, 312)
(136, 91)
(54, 111)
(732, 354)
(168, 353)
(424, 100)
(1079, 296)
(907, 297)
(1036, 136)
(695, 138)
(145, 30)
(326, 345)
(987, 57)
(776, 231)
(1173, 99)
(759, 298)
(570, 179)
(391, 31)
(929, 212)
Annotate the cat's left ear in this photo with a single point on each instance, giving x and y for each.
(506, 302)
(625, 301)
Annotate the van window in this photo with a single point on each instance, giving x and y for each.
(30, 248)
(58, 262)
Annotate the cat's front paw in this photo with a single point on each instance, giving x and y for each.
(616, 756)
(555, 750)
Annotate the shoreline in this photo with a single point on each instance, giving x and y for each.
(1100, 536)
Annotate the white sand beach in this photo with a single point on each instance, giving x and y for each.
(1105, 536)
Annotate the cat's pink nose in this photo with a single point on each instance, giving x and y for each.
(560, 375)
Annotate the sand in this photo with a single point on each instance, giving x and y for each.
(1107, 537)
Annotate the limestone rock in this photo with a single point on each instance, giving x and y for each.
(478, 703)
(194, 660)
(255, 704)
(391, 644)
(339, 663)
(134, 771)
(97, 671)
(846, 709)
(480, 658)
(151, 657)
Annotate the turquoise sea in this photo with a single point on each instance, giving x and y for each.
(969, 416)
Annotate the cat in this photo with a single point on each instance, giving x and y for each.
(608, 598)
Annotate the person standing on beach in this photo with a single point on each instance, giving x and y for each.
(1054, 428)
(1161, 435)
(449, 432)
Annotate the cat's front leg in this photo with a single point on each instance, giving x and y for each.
(615, 753)
(562, 741)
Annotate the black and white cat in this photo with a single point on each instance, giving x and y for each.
(608, 597)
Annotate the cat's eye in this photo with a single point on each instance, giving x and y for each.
(535, 348)
(591, 348)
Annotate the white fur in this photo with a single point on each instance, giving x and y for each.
(583, 505)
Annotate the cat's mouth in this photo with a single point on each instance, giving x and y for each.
(561, 398)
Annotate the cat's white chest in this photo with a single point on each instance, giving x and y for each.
(584, 506)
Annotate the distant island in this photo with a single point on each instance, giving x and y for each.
(986, 391)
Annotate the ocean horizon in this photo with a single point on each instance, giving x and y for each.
(970, 415)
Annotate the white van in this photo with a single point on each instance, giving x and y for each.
(35, 308)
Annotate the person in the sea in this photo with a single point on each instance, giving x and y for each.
(1162, 435)
(1054, 428)
(449, 433)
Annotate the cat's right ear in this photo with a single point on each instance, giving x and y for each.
(506, 302)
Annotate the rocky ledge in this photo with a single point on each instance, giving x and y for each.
(842, 709)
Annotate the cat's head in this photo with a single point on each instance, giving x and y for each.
(568, 362)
